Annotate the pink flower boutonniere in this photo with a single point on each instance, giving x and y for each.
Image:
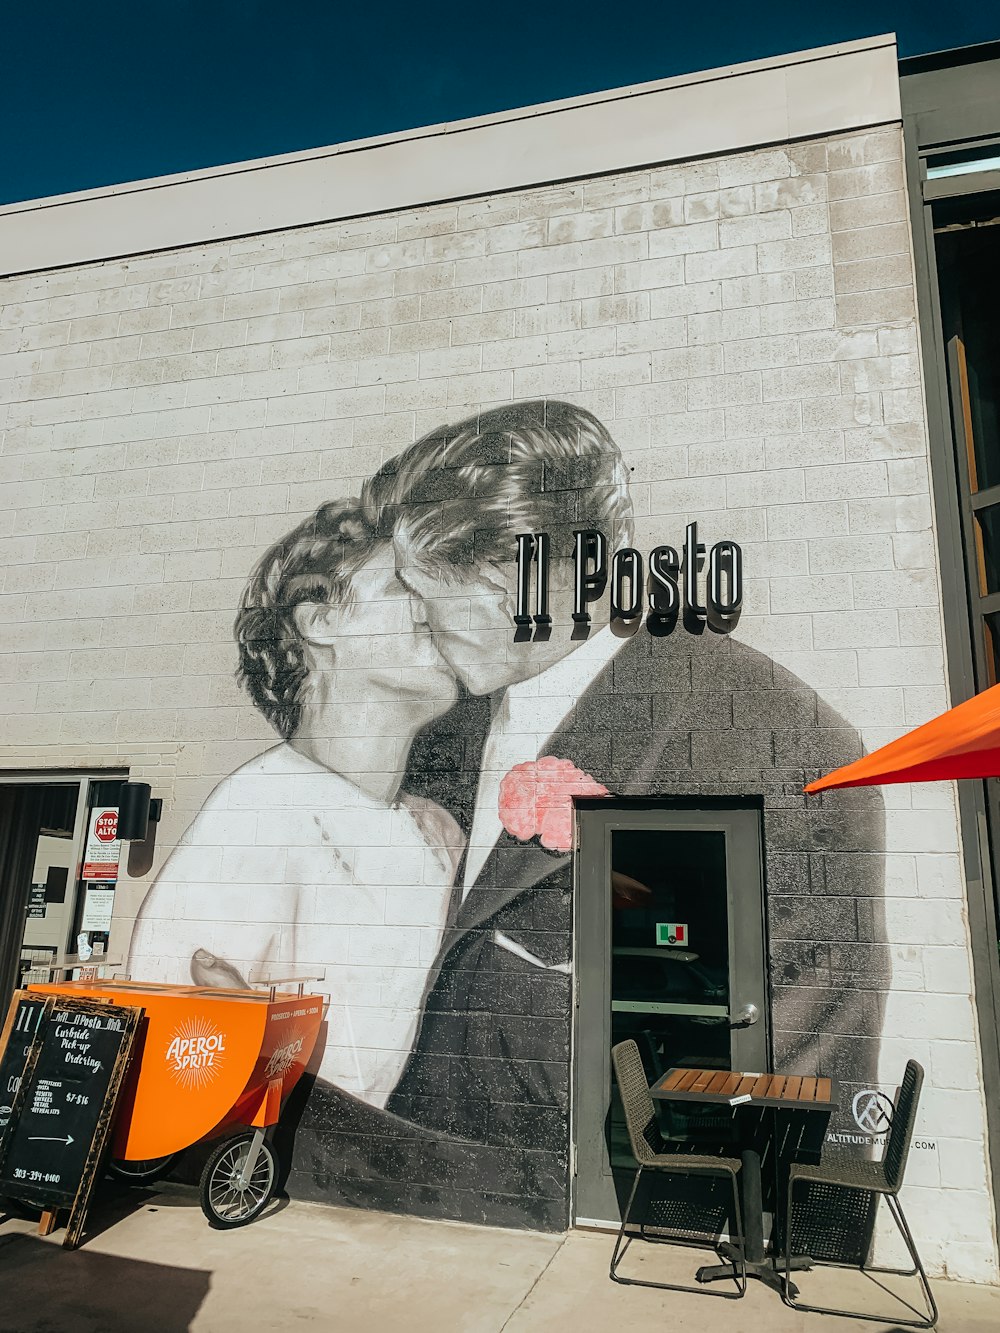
(536, 800)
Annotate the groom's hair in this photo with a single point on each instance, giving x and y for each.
(459, 494)
(315, 562)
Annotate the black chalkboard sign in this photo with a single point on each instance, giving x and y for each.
(23, 1019)
(61, 1114)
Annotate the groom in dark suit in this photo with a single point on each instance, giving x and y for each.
(478, 1126)
(691, 714)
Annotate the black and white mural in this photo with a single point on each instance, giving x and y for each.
(409, 833)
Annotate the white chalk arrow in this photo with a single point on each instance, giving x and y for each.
(46, 1138)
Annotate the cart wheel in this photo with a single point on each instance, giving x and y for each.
(142, 1172)
(223, 1201)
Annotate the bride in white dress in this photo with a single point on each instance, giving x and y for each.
(308, 854)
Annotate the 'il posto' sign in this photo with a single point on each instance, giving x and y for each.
(659, 587)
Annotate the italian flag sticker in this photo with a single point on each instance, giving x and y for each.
(671, 932)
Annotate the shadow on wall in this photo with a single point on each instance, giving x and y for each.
(76, 1291)
(141, 854)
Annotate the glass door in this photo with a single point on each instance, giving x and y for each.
(670, 952)
(59, 860)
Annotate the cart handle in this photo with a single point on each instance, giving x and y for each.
(272, 983)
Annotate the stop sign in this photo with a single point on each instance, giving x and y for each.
(106, 826)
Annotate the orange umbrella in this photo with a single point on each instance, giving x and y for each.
(962, 743)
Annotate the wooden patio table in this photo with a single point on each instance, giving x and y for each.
(777, 1092)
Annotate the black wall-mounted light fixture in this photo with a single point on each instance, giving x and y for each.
(136, 811)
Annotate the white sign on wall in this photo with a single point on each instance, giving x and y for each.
(103, 851)
(97, 908)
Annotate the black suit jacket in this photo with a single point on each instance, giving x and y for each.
(689, 715)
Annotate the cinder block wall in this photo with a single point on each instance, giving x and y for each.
(744, 327)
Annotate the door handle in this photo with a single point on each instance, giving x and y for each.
(745, 1017)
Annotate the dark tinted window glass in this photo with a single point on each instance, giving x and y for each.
(670, 966)
(988, 522)
(969, 260)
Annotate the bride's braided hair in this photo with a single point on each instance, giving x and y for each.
(312, 563)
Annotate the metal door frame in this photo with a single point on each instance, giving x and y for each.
(945, 109)
(591, 1038)
(84, 779)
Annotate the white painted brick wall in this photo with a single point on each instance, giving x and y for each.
(744, 326)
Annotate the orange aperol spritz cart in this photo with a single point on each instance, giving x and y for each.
(209, 1063)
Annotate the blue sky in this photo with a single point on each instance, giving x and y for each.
(109, 91)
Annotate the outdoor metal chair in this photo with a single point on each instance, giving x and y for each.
(648, 1148)
(878, 1179)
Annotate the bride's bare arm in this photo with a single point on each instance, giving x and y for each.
(208, 970)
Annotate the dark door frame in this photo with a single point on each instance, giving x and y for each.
(17, 852)
(948, 102)
(591, 1044)
(20, 812)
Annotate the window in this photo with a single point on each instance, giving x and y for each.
(968, 250)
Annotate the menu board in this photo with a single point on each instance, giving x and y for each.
(61, 1115)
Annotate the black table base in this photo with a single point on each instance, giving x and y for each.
(763, 1270)
(759, 1266)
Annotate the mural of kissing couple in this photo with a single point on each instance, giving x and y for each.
(411, 833)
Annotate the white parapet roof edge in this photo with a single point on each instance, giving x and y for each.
(809, 93)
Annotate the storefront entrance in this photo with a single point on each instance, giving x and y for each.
(54, 887)
(670, 952)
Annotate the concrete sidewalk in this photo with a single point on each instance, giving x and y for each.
(152, 1263)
